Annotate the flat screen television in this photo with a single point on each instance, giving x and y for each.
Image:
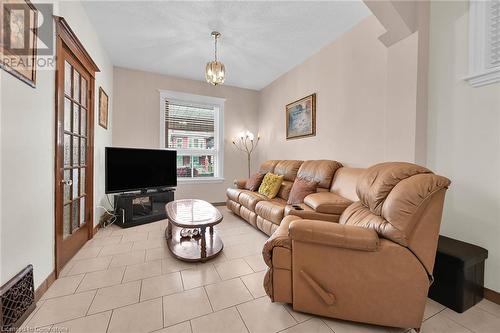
(132, 169)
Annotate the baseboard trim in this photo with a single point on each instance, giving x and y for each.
(492, 295)
(218, 203)
(45, 286)
(96, 228)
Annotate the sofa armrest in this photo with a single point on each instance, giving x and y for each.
(327, 202)
(279, 238)
(240, 183)
(334, 234)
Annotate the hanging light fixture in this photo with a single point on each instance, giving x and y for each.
(215, 70)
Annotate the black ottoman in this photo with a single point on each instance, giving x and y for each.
(458, 274)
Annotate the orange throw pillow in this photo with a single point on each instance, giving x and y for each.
(254, 181)
(301, 188)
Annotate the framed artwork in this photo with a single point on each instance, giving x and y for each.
(103, 108)
(18, 36)
(301, 118)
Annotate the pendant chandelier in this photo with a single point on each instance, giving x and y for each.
(215, 70)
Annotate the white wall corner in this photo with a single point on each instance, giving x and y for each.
(398, 17)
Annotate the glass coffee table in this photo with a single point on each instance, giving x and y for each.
(187, 236)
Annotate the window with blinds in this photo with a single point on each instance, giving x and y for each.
(484, 26)
(192, 130)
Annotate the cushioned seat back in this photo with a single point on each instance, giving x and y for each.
(268, 166)
(321, 171)
(289, 169)
(344, 182)
(401, 202)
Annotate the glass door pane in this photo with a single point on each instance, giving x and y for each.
(67, 78)
(67, 114)
(66, 221)
(76, 86)
(84, 92)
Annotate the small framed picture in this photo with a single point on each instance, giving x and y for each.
(103, 108)
(18, 33)
(301, 118)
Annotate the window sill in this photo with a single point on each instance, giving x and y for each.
(181, 181)
(482, 79)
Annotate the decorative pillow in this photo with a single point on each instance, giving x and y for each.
(254, 181)
(270, 185)
(301, 188)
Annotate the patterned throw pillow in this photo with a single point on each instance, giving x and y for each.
(301, 188)
(254, 181)
(270, 185)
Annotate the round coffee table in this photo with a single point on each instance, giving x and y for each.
(193, 214)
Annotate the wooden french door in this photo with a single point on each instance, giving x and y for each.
(74, 145)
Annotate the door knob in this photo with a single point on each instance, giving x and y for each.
(67, 182)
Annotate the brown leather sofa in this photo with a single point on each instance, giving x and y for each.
(336, 191)
(374, 265)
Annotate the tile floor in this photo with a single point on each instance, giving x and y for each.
(125, 280)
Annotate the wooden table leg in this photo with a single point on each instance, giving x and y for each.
(203, 243)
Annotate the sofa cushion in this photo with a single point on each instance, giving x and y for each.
(233, 206)
(270, 185)
(233, 193)
(271, 210)
(253, 183)
(327, 202)
(249, 199)
(285, 189)
(288, 169)
(308, 213)
(268, 166)
(266, 226)
(301, 188)
(321, 171)
(344, 182)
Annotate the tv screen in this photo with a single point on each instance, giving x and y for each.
(131, 169)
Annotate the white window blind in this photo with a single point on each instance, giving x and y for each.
(493, 29)
(193, 129)
(484, 43)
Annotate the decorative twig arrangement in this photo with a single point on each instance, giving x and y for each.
(246, 143)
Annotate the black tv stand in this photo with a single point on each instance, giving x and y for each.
(134, 209)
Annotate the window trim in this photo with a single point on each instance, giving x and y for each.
(479, 73)
(201, 100)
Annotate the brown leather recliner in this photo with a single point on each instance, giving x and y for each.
(375, 265)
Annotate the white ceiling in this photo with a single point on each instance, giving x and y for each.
(260, 40)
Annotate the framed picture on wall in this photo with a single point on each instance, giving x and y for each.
(103, 108)
(18, 35)
(301, 118)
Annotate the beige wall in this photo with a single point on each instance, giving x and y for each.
(400, 111)
(366, 101)
(136, 120)
(464, 137)
(27, 157)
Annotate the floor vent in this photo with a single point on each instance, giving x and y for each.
(17, 300)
